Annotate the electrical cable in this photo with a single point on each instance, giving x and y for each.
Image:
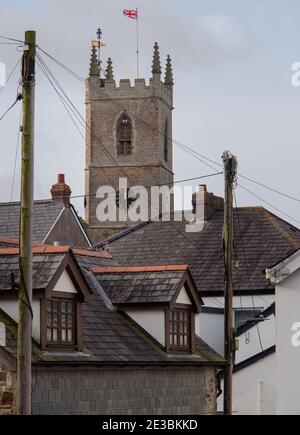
(247, 269)
(268, 203)
(16, 156)
(12, 39)
(18, 98)
(186, 148)
(101, 144)
(10, 74)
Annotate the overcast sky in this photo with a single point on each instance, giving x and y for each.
(232, 68)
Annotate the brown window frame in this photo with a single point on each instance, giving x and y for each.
(60, 343)
(190, 334)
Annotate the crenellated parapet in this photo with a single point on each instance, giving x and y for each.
(99, 88)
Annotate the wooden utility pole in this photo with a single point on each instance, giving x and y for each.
(230, 166)
(24, 377)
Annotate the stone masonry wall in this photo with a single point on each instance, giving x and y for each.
(181, 391)
(7, 390)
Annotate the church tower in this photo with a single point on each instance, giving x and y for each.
(129, 134)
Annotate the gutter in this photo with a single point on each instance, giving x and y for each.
(116, 364)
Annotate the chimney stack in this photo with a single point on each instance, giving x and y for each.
(209, 201)
(60, 190)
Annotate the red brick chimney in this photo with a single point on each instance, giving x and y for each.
(60, 190)
(209, 201)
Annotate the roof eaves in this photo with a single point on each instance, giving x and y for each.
(284, 268)
(54, 223)
(250, 324)
(254, 359)
(81, 226)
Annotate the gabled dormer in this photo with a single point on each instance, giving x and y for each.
(58, 293)
(162, 300)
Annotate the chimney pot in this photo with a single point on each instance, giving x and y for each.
(61, 178)
(60, 190)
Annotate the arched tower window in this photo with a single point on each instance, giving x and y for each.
(124, 136)
(166, 141)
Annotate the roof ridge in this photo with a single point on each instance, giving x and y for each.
(51, 249)
(122, 234)
(36, 201)
(136, 269)
(9, 241)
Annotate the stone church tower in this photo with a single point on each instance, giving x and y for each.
(129, 134)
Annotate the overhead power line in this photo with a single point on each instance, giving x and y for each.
(11, 74)
(11, 39)
(247, 268)
(201, 157)
(18, 98)
(268, 203)
(67, 100)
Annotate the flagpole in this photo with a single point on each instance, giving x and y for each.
(137, 45)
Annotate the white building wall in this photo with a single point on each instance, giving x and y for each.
(288, 356)
(210, 327)
(65, 284)
(153, 321)
(12, 309)
(183, 298)
(254, 391)
(2, 334)
(256, 339)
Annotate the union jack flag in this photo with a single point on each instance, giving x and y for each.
(131, 13)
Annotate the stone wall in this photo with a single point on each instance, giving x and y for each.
(181, 391)
(7, 388)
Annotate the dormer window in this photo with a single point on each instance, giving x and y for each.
(162, 300)
(124, 136)
(180, 329)
(61, 322)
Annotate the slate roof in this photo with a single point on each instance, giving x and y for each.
(44, 268)
(45, 213)
(261, 239)
(109, 337)
(132, 286)
(46, 261)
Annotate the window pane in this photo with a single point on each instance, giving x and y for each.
(70, 335)
(54, 335)
(63, 335)
(60, 321)
(180, 329)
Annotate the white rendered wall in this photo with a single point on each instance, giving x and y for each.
(254, 391)
(153, 321)
(288, 356)
(2, 334)
(65, 284)
(214, 335)
(250, 344)
(183, 298)
(210, 328)
(11, 308)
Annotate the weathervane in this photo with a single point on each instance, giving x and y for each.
(97, 43)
